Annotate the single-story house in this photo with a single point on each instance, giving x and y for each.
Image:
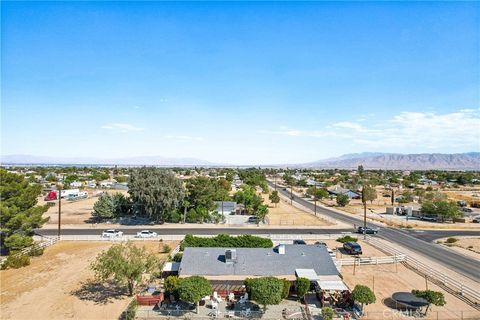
(336, 190)
(231, 266)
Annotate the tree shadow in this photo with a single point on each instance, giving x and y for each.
(100, 293)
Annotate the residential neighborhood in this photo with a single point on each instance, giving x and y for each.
(268, 160)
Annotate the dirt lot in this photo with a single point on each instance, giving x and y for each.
(387, 279)
(74, 212)
(469, 246)
(285, 214)
(56, 285)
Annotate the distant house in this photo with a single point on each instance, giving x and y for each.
(312, 183)
(107, 183)
(229, 207)
(336, 190)
(76, 184)
(226, 208)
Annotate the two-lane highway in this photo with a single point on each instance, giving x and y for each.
(419, 242)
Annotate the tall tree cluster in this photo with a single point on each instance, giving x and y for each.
(19, 212)
(157, 192)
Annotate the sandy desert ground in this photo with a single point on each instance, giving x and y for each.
(57, 285)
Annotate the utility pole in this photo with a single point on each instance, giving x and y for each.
(364, 201)
(275, 181)
(291, 194)
(59, 209)
(315, 196)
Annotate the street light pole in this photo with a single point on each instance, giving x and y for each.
(315, 196)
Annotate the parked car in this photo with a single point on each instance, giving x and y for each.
(320, 243)
(146, 234)
(299, 241)
(476, 219)
(468, 210)
(429, 218)
(367, 230)
(252, 220)
(352, 248)
(112, 233)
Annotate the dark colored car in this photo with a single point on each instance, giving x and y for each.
(299, 242)
(352, 248)
(320, 243)
(253, 220)
(367, 230)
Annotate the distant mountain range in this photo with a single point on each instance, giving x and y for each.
(130, 161)
(369, 160)
(397, 161)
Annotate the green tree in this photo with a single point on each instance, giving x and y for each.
(265, 291)
(248, 197)
(19, 213)
(342, 200)
(261, 212)
(171, 285)
(303, 285)
(125, 264)
(193, 289)
(202, 192)
(274, 198)
(363, 294)
(110, 206)
(433, 297)
(157, 191)
(442, 208)
(368, 194)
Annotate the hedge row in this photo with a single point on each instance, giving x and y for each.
(226, 241)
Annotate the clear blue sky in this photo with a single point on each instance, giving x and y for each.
(240, 83)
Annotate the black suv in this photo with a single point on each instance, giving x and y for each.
(352, 248)
(299, 242)
(367, 230)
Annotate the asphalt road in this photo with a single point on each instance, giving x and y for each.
(415, 240)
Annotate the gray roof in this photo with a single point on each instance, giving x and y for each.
(257, 261)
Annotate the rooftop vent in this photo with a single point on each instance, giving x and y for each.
(230, 255)
(281, 249)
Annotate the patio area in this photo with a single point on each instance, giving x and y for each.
(238, 308)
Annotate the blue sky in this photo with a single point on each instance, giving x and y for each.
(239, 83)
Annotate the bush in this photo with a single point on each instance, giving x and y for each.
(16, 260)
(178, 257)
(35, 251)
(286, 288)
(327, 313)
(226, 241)
(303, 285)
(342, 200)
(347, 239)
(166, 248)
(265, 290)
(451, 240)
(131, 310)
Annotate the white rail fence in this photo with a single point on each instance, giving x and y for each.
(43, 243)
(371, 260)
(440, 278)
